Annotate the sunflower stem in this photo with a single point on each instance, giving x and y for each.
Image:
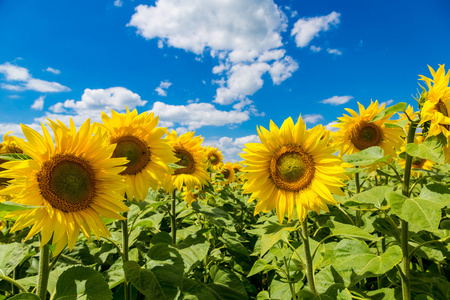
(308, 258)
(13, 282)
(358, 190)
(291, 284)
(125, 248)
(406, 289)
(173, 218)
(44, 272)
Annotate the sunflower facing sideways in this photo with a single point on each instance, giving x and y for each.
(137, 138)
(214, 157)
(291, 167)
(72, 181)
(359, 131)
(191, 159)
(436, 108)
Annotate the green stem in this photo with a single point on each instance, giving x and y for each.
(173, 218)
(44, 272)
(125, 248)
(15, 283)
(406, 289)
(291, 284)
(358, 190)
(308, 258)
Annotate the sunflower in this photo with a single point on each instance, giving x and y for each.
(227, 170)
(436, 108)
(214, 157)
(7, 147)
(417, 162)
(191, 159)
(408, 114)
(359, 132)
(137, 138)
(72, 180)
(291, 167)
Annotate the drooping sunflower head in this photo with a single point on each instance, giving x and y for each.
(436, 108)
(292, 167)
(214, 157)
(360, 131)
(138, 138)
(227, 170)
(191, 160)
(73, 180)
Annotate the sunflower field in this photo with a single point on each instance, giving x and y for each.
(125, 209)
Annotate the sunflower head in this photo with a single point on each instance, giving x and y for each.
(7, 147)
(71, 180)
(292, 167)
(435, 110)
(137, 138)
(214, 157)
(191, 161)
(227, 171)
(360, 131)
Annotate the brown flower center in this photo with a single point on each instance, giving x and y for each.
(365, 135)
(135, 150)
(67, 182)
(442, 108)
(291, 168)
(186, 160)
(214, 159)
(418, 162)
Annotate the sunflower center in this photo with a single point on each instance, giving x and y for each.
(440, 107)
(135, 150)
(186, 160)
(226, 173)
(417, 162)
(213, 159)
(365, 135)
(291, 168)
(67, 183)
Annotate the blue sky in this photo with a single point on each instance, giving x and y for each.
(217, 67)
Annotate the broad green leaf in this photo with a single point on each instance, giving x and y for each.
(366, 157)
(161, 238)
(389, 111)
(273, 232)
(196, 290)
(115, 274)
(381, 294)
(374, 196)
(423, 214)
(7, 207)
(193, 250)
(80, 280)
(430, 149)
(436, 193)
(327, 277)
(14, 156)
(261, 265)
(337, 291)
(263, 295)
(25, 296)
(218, 216)
(11, 256)
(233, 243)
(226, 285)
(342, 229)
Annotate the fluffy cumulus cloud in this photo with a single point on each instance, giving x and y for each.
(196, 115)
(306, 29)
(244, 36)
(387, 103)
(20, 79)
(312, 118)
(38, 103)
(337, 100)
(231, 147)
(162, 88)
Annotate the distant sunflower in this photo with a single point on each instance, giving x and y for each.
(191, 159)
(436, 108)
(72, 180)
(417, 162)
(214, 157)
(8, 146)
(408, 114)
(359, 132)
(291, 167)
(227, 171)
(137, 138)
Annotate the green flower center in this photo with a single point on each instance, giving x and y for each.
(291, 167)
(71, 181)
(135, 150)
(213, 159)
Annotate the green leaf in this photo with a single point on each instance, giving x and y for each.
(263, 295)
(82, 280)
(366, 157)
(193, 250)
(218, 216)
(226, 285)
(273, 232)
(11, 256)
(423, 214)
(233, 243)
(7, 207)
(430, 149)
(374, 196)
(196, 290)
(388, 111)
(337, 291)
(342, 229)
(436, 193)
(25, 296)
(381, 294)
(14, 156)
(261, 265)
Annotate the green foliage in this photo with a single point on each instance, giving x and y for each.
(430, 149)
(366, 157)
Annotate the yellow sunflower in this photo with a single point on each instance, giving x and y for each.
(192, 160)
(436, 108)
(214, 157)
(417, 162)
(72, 180)
(291, 167)
(359, 132)
(137, 138)
(227, 170)
(8, 146)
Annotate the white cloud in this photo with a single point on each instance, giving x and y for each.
(231, 147)
(244, 36)
(312, 118)
(118, 3)
(38, 103)
(387, 103)
(334, 51)
(330, 127)
(26, 81)
(315, 49)
(196, 115)
(54, 71)
(162, 88)
(337, 100)
(306, 29)
(16, 129)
